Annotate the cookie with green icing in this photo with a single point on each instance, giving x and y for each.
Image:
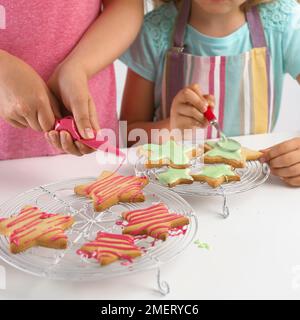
(168, 154)
(216, 175)
(173, 177)
(215, 154)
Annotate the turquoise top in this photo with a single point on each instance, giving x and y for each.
(281, 21)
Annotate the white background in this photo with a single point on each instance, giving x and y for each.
(289, 119)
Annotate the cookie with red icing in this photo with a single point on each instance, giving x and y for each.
(112, 188)
(32, 227)
(108, 248)
(155, 221)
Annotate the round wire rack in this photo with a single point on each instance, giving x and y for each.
(67, 264)
(252, 176)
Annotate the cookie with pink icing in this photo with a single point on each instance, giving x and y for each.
(32, 227)
(155, 221)
(108, 248)
(112, 188)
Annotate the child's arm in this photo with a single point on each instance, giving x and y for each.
(138, 108)
(109, 36)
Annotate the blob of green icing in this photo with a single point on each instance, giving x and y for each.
(173, 175)
(217, 171)
(177, 154)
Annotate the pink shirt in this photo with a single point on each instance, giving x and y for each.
(42, 33)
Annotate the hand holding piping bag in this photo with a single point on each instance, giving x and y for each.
(284, 161)
(188, 108)
(70, 83)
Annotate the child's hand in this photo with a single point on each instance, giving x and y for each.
(69, 83)
(284, 161)
(25, 100)
(188, 108)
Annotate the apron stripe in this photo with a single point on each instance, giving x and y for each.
(222, 92)
(272, 100)
(211, 89)
(217, 92)
(242, 96)
(260, 91)
(247, 95)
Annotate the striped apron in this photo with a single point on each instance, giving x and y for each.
(242, 84)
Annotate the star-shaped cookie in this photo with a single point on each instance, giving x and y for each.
(112, 188)
(168, 154)
(108, 248)
(32, 227)
(173, 177)
(216, 175)
(237, 159)
(155, 221)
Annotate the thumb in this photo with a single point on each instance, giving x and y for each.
(55, 106)
(46, 115)
(81, 111)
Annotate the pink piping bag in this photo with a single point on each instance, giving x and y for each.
(68, 124)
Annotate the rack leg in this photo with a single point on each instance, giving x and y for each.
(163, 286)
(226, 211)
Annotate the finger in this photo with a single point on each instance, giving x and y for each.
(46, 116)
(55, 106)
(194, 113)
(188, 96)
(283, 148)
(33, 122)
(83, 149)
(16, 124)
(196, 89)
(68, 145)
(55, 139)
(293, 182)
(286, 160)
(188, 123)
(210, 99)
(93, 115)
(19, 119)
(81, 112)
(288, 172)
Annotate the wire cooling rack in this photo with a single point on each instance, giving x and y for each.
(66, 264)
(252, 176)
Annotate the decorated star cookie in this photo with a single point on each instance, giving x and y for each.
(32, 227)
(155, 221)
(173, 177)
(216, 175)
(170, 153)
(108, 248)
(237, 159)
(112, 188)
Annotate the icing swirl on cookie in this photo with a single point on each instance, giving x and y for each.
(110, 246)
(155, 221)
(115, 186)
(31, 224)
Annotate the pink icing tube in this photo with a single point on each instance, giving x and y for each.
(68, 124)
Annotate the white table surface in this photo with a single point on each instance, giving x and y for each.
(255, 254)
